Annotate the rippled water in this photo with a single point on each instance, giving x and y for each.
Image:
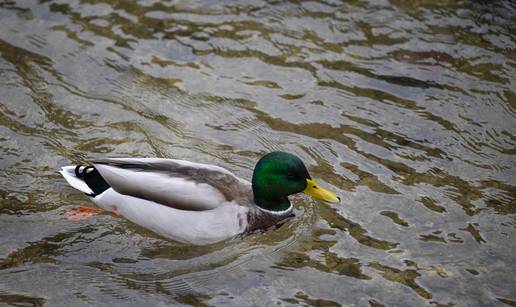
(406, 108)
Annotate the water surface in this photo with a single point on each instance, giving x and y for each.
(406, 109)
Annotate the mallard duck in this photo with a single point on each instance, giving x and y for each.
(196, 203)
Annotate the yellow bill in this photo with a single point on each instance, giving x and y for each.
(315, 190)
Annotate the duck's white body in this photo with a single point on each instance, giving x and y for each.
(194, 227)
(184, 201)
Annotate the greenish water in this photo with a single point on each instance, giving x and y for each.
(406, 109)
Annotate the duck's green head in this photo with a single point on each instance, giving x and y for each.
(278, 175)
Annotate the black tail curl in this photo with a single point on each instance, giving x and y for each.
(92, 178)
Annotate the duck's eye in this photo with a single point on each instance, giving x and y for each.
(291, 176)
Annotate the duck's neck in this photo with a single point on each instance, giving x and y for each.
(268, 202)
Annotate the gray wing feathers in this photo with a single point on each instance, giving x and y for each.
(175, 183)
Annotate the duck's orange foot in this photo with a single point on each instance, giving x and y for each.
(82, 212)
(116, 212)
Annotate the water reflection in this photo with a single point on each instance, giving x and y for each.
(407, 108)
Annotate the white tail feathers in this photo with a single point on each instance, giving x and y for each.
(68, 173)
